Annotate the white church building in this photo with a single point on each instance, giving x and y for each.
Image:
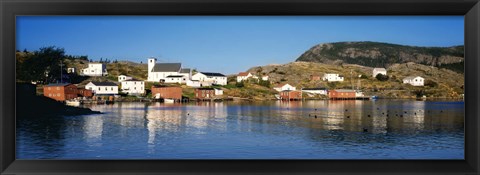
(167, 72)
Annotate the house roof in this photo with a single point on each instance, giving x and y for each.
(167, 67)
(314, 88)
(344, 90)
(281, 85)
(243, 74)
(57, 84)
(185, 70)
(212, 74)
(103, 83)
(174, 76)
(412, 77)
(379, 69)
(133, 79)
(205, 88)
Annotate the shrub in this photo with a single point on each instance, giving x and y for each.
(381, 77)
(430, 83)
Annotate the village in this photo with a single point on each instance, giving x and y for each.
(167, 79)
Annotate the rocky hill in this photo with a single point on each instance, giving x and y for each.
(376, 54)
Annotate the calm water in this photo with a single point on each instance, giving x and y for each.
(267, 130)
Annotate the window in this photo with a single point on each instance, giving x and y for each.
(105, 88)
(98, 88)
(58, 88)
(49, 95)
(112, 88)
(58, 94)
(133, 88)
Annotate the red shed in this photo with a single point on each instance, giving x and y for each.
(169, 92)
(60, 91)
(204, 93)
(342, 94)
(291, 95)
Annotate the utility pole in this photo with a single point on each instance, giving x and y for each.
(61, 71)
(351, 79)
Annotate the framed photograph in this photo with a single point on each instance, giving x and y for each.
(239, 87)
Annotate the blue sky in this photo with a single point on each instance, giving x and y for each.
(226, 44)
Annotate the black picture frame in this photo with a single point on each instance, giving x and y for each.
(11, 8)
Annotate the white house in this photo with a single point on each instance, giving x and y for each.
(102, 88)
(284, 87)
(122, 78)
(133, 86)
(414, 80)
(332, 77)
(187, 73)
(197, 83)
(214, 78)
(95, 69)
(158, 72)
(242, 76)
(320, 91)
(377, 71)
(218, 91)
(180, 79)
(265, 78)
(71, 70)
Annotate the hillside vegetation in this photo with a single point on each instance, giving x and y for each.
(440, 82)
(376, 54)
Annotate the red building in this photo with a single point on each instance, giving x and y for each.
(204, 93)
(167, 92)
(342, 94)
(85, 92)
(60, 91)
(291, 95)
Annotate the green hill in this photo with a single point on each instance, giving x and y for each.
(376, 54)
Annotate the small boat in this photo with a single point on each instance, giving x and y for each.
(167, 100)
(72, 103)
(157, 96)
(277, 97)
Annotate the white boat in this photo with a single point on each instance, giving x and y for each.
(167, 100)
(72, 103)
(277, 97)
(157, 96)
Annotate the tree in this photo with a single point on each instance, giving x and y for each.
(42, 65)
(381, 77)
(240, 84)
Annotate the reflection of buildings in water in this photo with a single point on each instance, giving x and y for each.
(379, 120)
(163, 118)
(336, 113)
(131, 114)
(93, 128)
(415, 117)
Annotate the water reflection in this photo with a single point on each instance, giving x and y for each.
(298, 129)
